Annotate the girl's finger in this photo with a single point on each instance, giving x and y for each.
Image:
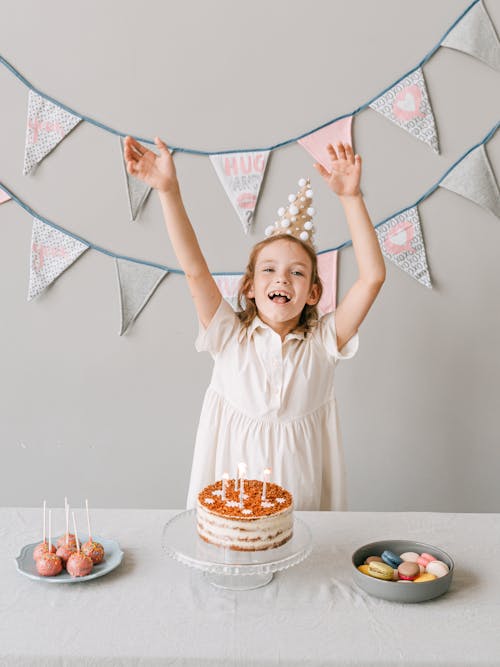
(161, 144)
(349, 153)
(341, 151)
(135, 146)
(332, 152)
(132, 168)
(322, 170)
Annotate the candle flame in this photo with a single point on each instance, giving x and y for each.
(225, 475)
(242, 468)
(267, 471)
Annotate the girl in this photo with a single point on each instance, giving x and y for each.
(271, 400)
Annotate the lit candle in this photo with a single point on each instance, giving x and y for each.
(225, 477)
(267, 472)
(242, 468)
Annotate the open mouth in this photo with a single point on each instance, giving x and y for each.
(279, 297)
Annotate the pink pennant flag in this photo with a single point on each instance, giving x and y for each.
(3, 197)
(229, 285)
(327, 267)
(316, 143)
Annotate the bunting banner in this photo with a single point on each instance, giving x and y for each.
(401, 241)
(475, 34)
(52, 252)
(316, 143)
(3, 197)
(229, 285)
(474, 179)
(136, 284)
(241, 175)
(47, 125)
(407, 104)
(327, 269)
(137, 190)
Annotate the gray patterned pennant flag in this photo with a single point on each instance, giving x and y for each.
(229, 285)
(474, 179)
(241, 174)
(48, 124)
(137, 190)
(52, 252)
(407, 104)
(474, 34)
(137, 283)
(401, 241)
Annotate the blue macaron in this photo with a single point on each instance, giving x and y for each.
(391, 559)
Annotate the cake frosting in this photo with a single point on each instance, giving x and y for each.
(253, 525)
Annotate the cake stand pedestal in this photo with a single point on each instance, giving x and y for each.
(234, 570)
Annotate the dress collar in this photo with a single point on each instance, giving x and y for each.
(257, 323)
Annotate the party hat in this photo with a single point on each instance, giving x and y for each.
(296, 218)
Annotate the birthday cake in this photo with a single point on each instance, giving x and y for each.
(248, 521)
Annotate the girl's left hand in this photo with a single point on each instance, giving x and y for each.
(345, 171)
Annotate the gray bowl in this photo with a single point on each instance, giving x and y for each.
(393, 590)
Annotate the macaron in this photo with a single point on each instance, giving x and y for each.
(429, 557)
(391, 558)
(438, 568)
(373, 558)
(380, 570)
(426, 576)
(364, 569)
(408, 570)
(410, 556)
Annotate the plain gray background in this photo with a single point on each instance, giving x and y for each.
(86, 413)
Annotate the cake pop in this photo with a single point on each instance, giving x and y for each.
(78, 564)
(68, 539)
(65, 550)
(93, 549)
(43, 547)
(49, 565)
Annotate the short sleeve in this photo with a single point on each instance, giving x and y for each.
(328, 338)
(223, 326)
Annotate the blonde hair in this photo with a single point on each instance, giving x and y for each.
(248, 310)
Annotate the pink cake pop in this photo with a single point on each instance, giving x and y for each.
(65, 550)
(78, 564)
(43, 547)
(49, 565)
(93, 549)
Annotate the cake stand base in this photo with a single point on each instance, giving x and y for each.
(235, 582)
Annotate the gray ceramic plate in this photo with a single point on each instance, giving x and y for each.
(393, 590)
(112, 558)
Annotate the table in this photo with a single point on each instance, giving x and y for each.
(155, 611)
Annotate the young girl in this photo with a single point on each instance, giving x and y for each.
(271, 401)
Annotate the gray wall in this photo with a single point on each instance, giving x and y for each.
(86, 413)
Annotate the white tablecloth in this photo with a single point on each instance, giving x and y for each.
(155, 611)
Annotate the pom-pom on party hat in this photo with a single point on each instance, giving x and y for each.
(296, 218)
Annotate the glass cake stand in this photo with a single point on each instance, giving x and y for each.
(224, 568)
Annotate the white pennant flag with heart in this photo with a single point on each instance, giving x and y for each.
(52, 252)
(407, 104)
(241, 174)
(401, 241)
(48, 124)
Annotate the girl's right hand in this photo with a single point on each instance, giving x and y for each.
(158, 171)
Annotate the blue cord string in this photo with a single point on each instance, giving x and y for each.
(231, 273)
(191, 151)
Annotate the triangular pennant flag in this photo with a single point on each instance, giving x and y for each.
(474, 179)
(136, 283)
(407, 104)
(474, 34)
(52, 252)
(327, 268)
(241, 175)
(229, 285)
(316, 143)
(4, 196)
(401, 241)
(137, 190)
(48, 124)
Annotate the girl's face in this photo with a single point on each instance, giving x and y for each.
(282, 284)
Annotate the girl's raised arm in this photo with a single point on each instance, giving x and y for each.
(159, 173)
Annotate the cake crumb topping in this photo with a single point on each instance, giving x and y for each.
(253, 503)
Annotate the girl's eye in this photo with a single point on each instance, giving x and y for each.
(297, 273)
(268, 268)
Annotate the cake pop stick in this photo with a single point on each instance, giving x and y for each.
(76, 534)
(44, 536)
(67, 521)
(50, 531)
(88, 519)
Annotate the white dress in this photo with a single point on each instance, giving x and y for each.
(271, 404)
